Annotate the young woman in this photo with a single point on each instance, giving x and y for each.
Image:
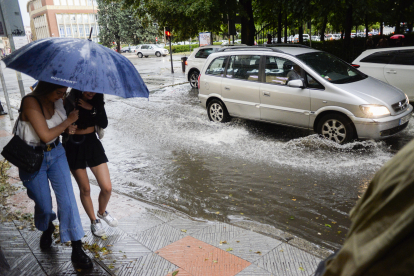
(42, 120)
(83, 149)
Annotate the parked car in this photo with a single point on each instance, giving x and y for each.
(125, 49)
(324, 93)
(197, 59)
(296, 38)
(391, 65)
(336, 36)
(329, 37)
(146, 50)
(316, 38)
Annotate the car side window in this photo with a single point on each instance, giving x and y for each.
(379, 57)
(244, 67)
(144, 47)
(312, 83)
(204, 53)
(405, 57)
(217, 66)
(280, 70)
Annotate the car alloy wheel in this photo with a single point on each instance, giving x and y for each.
(217, 112)
(158, 54)
(140, 55)
(194, 79)
(337, 128)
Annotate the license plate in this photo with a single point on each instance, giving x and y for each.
(405, 119)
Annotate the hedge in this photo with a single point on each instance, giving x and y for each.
(185, 48)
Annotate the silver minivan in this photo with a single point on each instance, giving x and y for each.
(301, 87)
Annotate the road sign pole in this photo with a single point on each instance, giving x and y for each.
(172, 69)
(6, 95)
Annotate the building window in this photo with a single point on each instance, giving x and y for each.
(63, 2)
(61, 31)
(81, 31)
(59, 18)
(77, 3)
(79, 16)
(89, 2)
(87, 29)
(73, 18)
(83, 2)
(85, 18)
(67, 18)
(70, 2)
(91, 18)
(56, 2)
(97, 29)
(68, 31)
(75, 30)
(95, 3)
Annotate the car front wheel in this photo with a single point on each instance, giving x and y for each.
(336, 127)
(158, 54)
(194, 79)
(217, 112)
(140, 55)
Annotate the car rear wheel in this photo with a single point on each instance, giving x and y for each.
(217, 112)
(194, 79)
(140, 55)
(336, 127)
(158, 54)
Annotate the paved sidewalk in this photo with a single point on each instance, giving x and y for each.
(149, 240)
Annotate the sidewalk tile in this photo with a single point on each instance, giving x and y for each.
(254, 270)
(113, 235)
(4, 133)
(159, 236)
(26, 264)
(250, 246)
(151, 264)
(218, 232)
(185, 250)
(190, 226)
(138, 223)
(288, 260)
(68, 269)
(163, 215)
(180, 272)
(218, 263)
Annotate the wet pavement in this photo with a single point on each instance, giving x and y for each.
(164, 150)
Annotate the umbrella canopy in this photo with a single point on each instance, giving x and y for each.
(80, 64)
(397, 36)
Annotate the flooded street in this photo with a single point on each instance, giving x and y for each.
(165, 150)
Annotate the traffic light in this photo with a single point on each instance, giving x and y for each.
(167, 33)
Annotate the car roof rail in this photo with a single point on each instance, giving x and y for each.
(250, 48)
(286, 45)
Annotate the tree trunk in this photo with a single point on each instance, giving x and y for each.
(279, 28)
(286, 27)
(382, 27)
(397, 27)
(301, 33)
(247, 23)
(118, 46)
(366, 26)
(348, 25)
(325, 21)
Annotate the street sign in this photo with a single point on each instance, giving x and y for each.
(156, 39)
(19, 41)
(205, 39)
(10, 11)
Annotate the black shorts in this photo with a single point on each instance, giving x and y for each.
(84, 151)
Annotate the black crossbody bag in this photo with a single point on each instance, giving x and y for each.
(20, 154)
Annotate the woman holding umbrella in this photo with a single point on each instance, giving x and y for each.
(41, 121)
(83, 149)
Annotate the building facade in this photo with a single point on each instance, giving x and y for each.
(63, 18)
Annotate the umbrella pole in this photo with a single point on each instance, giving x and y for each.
(6, 95)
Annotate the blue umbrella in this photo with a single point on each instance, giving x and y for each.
(80, 64)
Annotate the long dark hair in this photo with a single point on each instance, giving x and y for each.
(44, 88)
(97, 100)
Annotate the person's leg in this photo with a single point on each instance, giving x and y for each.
(59, 175)
(101, 173)
(85, 191)
(38, 190)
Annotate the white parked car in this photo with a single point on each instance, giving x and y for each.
(146, 50)
(391, 65)
(304, 88)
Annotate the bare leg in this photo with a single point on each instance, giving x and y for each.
(101, 173)
(85, 191)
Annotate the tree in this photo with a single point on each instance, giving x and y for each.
(123, 25)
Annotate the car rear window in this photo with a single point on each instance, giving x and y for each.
(217, 66)
(204, 53)
(379, 57)
(404, 58)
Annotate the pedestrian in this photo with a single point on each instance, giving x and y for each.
(269, 39)
(399, 42)
(83, 149)
(383, 42)
(2, 112)
(380, 240)
(41, 121)
(370, 43)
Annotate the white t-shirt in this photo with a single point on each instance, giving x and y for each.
(27, 133)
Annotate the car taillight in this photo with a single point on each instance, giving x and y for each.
(199, 84)
(186, 62)
(356, 65)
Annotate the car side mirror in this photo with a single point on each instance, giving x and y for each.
(296, 83)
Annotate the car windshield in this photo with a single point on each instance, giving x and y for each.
(331, 68)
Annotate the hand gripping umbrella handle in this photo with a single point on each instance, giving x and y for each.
(71, 135)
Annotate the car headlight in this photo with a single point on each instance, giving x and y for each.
(373, 110)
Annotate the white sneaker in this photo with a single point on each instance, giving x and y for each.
(113, 222)
(97, 228)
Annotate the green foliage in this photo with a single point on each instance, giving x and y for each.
(123, 25)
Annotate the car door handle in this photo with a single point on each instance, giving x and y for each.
(267, 94)
(227, 88)
(392, 72)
